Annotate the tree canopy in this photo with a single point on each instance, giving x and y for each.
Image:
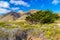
(41, 16)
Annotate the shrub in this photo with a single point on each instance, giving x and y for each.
(42, 17)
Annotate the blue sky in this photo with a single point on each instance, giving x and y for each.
(26, 5)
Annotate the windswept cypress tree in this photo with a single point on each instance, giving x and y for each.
(46, 16)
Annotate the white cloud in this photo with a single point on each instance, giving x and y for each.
(17, 8)
(20, 11)
(2, 11)
(55, 2)
(19, 2)
(4, 4)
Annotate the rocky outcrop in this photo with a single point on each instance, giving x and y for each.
(21, 35)
(10, 16)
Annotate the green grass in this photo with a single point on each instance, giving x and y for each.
(49, 29)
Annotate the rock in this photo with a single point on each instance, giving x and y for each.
(21, 35)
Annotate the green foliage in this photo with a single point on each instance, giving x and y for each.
(48, 34)
(2, 24)
(42, 17)
(49, 30)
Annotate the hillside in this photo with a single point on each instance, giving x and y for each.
(13, 16)
(10, 16)
(14, 26)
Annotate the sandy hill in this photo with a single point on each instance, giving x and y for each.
(13, 16)
(10, 16)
